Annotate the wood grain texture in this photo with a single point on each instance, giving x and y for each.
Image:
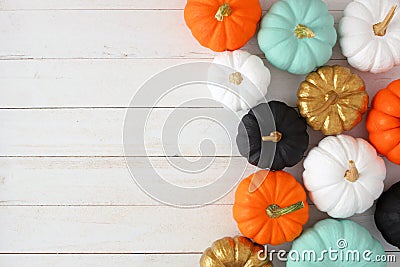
(77, 181)
(113, 83)
(68, 70)
(105, 229)
(124, 34)
(100, 181)
(123, 4)
(104, 260)
(99, 132)
(148, 260)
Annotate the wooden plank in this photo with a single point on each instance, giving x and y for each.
(124, 34)
(147, 260)
(106, 260)
(99, 132)
(107, 181)
(128, 229)
(113, 83)
(123, 4)
(102, 180)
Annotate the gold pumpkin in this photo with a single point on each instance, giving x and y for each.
(234, 252)
(332, 99)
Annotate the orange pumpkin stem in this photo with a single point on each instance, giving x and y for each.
(381, 27)
(274, 211)
(352, 174)
(236, 78)
(272, 137)
(223, 11)
(330, 98)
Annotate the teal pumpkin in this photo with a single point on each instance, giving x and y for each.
(345, 237)
(297, 35)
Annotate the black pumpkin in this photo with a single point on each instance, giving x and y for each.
(387, 215)
(272, 136)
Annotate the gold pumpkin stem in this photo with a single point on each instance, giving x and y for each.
(331, 98)
(302, 31)
(381, 27)
(274, 211)
(236, 78)
(272, 137)
(223, 11)
(352, 174)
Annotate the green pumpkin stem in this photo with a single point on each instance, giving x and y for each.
(272, 137)
(223, 11)
(330, 99)
(302, 31)
(381, 27)
(274, 211)
(352, 174)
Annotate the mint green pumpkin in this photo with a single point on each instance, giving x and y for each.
(346, 237)
(297, 35)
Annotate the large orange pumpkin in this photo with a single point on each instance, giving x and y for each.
(223, 24)
(383, 122)
(273, 214)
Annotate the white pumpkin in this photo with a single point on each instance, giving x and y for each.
(370, 34)
(245, 77)
(344, 175)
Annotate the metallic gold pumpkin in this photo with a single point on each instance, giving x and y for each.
(332, 99)
(234, 252)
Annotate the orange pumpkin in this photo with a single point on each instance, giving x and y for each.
(223, 24)
(273, 214)
(383, 122)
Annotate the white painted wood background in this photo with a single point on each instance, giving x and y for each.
(68, 69)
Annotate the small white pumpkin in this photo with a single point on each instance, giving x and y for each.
(246, 78)
(370, 34)
(344, 175)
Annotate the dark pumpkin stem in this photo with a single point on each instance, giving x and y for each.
(223, 11)
(381, 27)
(274, 211)
(352, 174)
(272, 137)
(303, 31)
(330, 98)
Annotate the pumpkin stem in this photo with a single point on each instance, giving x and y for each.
(223, 11)
(302, 31)
(236, 78)
(352, 174)
(274, 211)
(381, 27)
(330, 98)
(273, 137)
